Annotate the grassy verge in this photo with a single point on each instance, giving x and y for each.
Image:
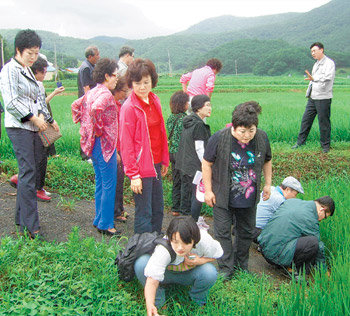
(79, 277)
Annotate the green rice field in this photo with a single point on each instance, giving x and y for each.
(79, 277)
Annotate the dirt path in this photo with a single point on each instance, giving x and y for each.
(56, 224)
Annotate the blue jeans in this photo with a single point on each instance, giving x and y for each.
(149, 205)
(105, 181)
(201, 278)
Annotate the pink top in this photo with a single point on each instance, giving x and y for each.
(201, 81)
(97, 113)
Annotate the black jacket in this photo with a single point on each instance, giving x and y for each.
(194, 129)
(220, 169)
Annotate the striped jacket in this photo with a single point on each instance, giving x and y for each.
(22, 96)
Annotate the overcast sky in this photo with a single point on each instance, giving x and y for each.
(133, 19)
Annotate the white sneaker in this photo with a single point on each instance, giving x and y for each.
(202, 224)
(46, 192)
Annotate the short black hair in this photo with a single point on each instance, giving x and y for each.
(327, 202)
(318, 44)
(39, 65)
(104, 66)
(246, 114)
(178, 102)
(214, 64)
(26, 39)
(140, 68)
(186, 227)
(198, 102)
(126, 50)
(91, 51)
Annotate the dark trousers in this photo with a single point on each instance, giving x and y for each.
(41, 168)
(235, 256)
(118, 205)
(305, 253)
(29, 153)
(149, 205)
(256, 234)
(176, 189)
(189, 204)
(321, 108)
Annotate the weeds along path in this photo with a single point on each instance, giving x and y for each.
(57, 223)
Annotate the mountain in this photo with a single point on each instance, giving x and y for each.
(229, 23)
(69, 46)
(109, 40)
(329, 24)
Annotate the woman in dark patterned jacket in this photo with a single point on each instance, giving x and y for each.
(179, 103)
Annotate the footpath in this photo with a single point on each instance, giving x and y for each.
(57, 223)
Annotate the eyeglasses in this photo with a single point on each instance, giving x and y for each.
(115, 75)
(325, 214)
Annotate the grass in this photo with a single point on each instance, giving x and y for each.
(79, 277)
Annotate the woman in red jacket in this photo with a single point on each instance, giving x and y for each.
(144, 146)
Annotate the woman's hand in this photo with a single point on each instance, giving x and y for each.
(266, 192)
(58, 90)
(136, 185)
(152, 311)
(209, 198)
(192, 262)
(163, 171)
(118, 159)
(39, 123)
(55, 126)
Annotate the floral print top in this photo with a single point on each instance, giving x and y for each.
(98, 116)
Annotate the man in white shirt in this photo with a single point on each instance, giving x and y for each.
(319, 94)
(126, 57)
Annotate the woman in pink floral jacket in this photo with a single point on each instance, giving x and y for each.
(97, 113)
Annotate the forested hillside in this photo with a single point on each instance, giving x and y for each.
(253, 44)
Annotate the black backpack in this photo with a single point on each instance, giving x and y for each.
(138, 245)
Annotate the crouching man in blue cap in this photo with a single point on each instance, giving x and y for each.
(289, 189)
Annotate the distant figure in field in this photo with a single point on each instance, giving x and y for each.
(289, 189)
(292, 236)
(202, 80)
(85, 80)
(126, 57)
(319, 94)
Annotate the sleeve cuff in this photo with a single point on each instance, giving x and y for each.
(27, 118)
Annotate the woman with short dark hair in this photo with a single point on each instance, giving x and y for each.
(233, 163)
(25, 115)
(194, 138)
(97, 113)
(195, 249)
(144, 146)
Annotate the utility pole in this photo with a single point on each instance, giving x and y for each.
(2, 53)
(170, 69)
(236, 68)
(56, 72)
